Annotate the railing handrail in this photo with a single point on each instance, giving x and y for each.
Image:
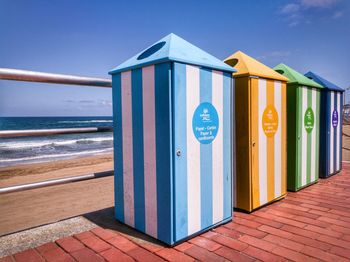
(41, 77)
(55, 131)
(54, 182)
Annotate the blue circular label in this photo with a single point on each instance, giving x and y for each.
(205, 123)
(335, 118)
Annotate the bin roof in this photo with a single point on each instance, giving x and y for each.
(323, 82)
(295, 77)
(172, 48)
(248, 66)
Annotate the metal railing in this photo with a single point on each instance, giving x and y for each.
(54, 182)
(49, 132)
(41, 77)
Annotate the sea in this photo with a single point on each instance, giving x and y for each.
(26, 150)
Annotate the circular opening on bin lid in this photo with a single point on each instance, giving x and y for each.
(150, 51)
(232, 62)
(280, 71)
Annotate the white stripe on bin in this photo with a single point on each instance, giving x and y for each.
(193, 152)
(338, 132)
(278, 143)
(262, 143)
(304, 91)
(149, 150)
(233, 144)
(331, 142)
(313, 137)
(217, 152)
(128, 164)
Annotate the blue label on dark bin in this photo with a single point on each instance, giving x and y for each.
(335, 118)
(205, 123)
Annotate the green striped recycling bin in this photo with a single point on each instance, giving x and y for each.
(303, 122)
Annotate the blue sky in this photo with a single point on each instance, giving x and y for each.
(90, 37)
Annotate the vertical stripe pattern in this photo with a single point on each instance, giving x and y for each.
(270, 145)
(278, 142)
(118, 148)
(207, 179)
(137, 137)
(304, 159)
(232, 135)
(283, 137)
(206, 155)
(193, 152)
(268, 126)
(229, 152)
(308, 134)
(149, 150)
(314, 159)
(331, 141)
(144, 125)
(338, 132)
(164, 164)
(262, 144)
(168, 184)
(180, 144)
(127, 138)
(217, 151)
(251, 189)
(341, 131)
(334, 132)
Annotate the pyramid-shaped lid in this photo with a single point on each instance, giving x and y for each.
(323, 82)
(248, 66)
(295, 77)
(173, 48)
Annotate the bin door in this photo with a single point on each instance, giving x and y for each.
(202, 149)
(268, 131)
(308, 135)
(334, 131)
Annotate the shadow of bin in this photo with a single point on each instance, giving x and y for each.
(303, 121)
(172, 151)
(260, 110)
(331, 130)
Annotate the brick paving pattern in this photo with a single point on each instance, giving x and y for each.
(310, 225)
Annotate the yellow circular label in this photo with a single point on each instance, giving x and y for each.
(270, 121)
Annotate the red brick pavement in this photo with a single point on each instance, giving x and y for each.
(310, 225)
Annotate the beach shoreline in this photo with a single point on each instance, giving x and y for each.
(35, 172)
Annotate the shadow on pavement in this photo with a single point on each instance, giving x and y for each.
(105, 219)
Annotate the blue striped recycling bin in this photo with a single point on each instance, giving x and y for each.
(331, 126)
(172, 115)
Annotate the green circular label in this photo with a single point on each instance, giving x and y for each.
(309, 120)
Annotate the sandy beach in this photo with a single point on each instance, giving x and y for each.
(27, 209)
(30, 173)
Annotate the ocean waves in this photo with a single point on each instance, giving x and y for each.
(26, 150)
(25, 144)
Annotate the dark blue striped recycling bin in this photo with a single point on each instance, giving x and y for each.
(331, 126)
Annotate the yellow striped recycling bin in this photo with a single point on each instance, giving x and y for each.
(260, 116)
